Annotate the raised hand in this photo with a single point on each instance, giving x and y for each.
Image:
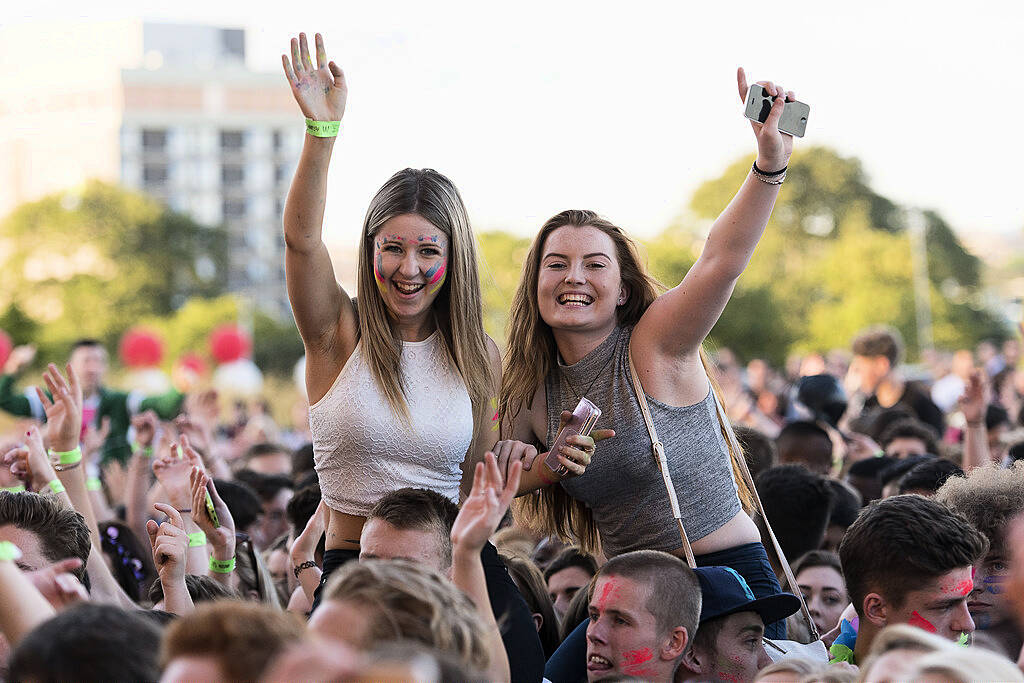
(64, 412)
(321, 92)
(975, 398)
(146, 426)
(93, 440)
(773, 147)
(57, 585)
(30, 462)
(173, 468)
(220, 535)
(170, 544)
(487, 503)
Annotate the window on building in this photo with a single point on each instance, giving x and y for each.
(234, 208)
(154, 173)
(280, 173)
(278, 140)
(232, 175)
(154, 140)
(232, 140)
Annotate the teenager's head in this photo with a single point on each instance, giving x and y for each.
(927, 477)
(418, 264)
(89, 360)
(729, 642)
(989, 498)
(805, 443)
(865, 477)
(876, 352)
(798, 504)
(130, 561)
(268, 458)
(908, 437)
(570, 571)
(44, 530)
(891, 475)
(226, 641)
(410, 524)
(242, 502)
(274, 491)
(374, 601)
(644, 607)
(530, 583)
(819, 574)
(89, 642)
(908, 559)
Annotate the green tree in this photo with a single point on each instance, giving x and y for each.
(94, 263)
(501, 262)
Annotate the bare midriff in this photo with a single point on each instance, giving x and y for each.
(739, 530)
(343, 531)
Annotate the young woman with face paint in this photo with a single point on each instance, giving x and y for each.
(584, 302)
(401, 385)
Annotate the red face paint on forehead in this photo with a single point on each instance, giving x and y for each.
(920, 622)
(607, 592)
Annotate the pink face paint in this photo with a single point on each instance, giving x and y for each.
(964, 587)
(436, 277)
(917, 620)
(608, 591)
(634, 659)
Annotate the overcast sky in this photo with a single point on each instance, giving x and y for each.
(532, 107)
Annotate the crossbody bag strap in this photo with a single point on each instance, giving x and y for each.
(734, 445)
(659, 456)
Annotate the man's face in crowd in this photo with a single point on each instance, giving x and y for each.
(739, 650)
(381, 540)
(271, 463)
(869, 370)
(939, 607)
(274, 521)
(90, 364)
(904, 447)
(563, 584)
(987, 601)
(622, 636)
(31, 547)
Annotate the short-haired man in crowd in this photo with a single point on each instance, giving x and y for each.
(570, 571)
(729, 645)
(44, 530)
(644, 608)
(907, 560)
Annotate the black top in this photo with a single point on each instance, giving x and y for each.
(917, 399)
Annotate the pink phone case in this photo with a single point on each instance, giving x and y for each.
(584, 417)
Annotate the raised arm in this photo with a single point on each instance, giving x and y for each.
(323, 314)
(676, 324)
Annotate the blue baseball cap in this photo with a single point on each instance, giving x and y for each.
(724, 592)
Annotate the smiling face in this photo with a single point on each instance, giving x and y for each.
(825, 592)
(410, 265)
(987, 602)
(579, 284)
(623, 637)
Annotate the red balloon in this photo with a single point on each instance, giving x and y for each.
(228, 343)
(6, 346)
(140, 348)
(194, 362)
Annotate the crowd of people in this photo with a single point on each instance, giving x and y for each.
(440, 517)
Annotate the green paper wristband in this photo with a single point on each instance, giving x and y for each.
(147, 452)
(222, 566)
(20, 488)
(56, 486)
(323, 129)
(67, 457)
(9, 552)
(196, 539)
(93, 484)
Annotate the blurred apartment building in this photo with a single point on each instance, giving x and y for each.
(170, 110)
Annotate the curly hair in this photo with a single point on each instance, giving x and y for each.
(989, 498)
(408, 601)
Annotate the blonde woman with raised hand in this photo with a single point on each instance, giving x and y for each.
(400, 381)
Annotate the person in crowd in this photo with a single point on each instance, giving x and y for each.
(644, 608)
(200, 589)
(907, 560)
(729, 645)
(908, 437)
(583, 308)
(876, 356)
(274, 491)
(819, 574)
(946, 390)
(530, 583)
(44, 530)
(401, 385)
(268, 458)
(989, 498)
(805, 443)
(846, 504)
(965, 665)
(927, 477)
(759, 451)
(571, 570)
(798, 505)
(302, 461)
(865, 477)
(89, 642)
(89, 360)
(892, 474)
(226, 641)
(130, 561)
(416, 525)
(895, 650)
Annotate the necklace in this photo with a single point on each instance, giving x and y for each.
(590, 386)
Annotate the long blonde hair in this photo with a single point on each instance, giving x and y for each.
(457, 308)
(531, 356)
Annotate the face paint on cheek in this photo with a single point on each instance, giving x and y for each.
(378, 263)
(917, 620)
(994, 584)
(436, 277)
(633, 660)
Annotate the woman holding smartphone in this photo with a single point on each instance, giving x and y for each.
(400, 384)
(583, 305)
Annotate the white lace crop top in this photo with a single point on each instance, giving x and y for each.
(362, 450)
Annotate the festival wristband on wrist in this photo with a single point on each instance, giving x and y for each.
(93, 484)
(323, 129)
(9, 552)
(71, 457)
(222, 566)
(197, 539)
(56, 486)
(20, 488)
(147, 452)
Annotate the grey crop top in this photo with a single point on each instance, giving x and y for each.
(623, 486)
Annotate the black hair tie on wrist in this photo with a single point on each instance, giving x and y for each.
(771, 173)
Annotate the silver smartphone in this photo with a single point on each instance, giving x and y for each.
(584, 417)
(794, 115)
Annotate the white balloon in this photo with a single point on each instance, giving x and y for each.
(148, 381)
(238, 378)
